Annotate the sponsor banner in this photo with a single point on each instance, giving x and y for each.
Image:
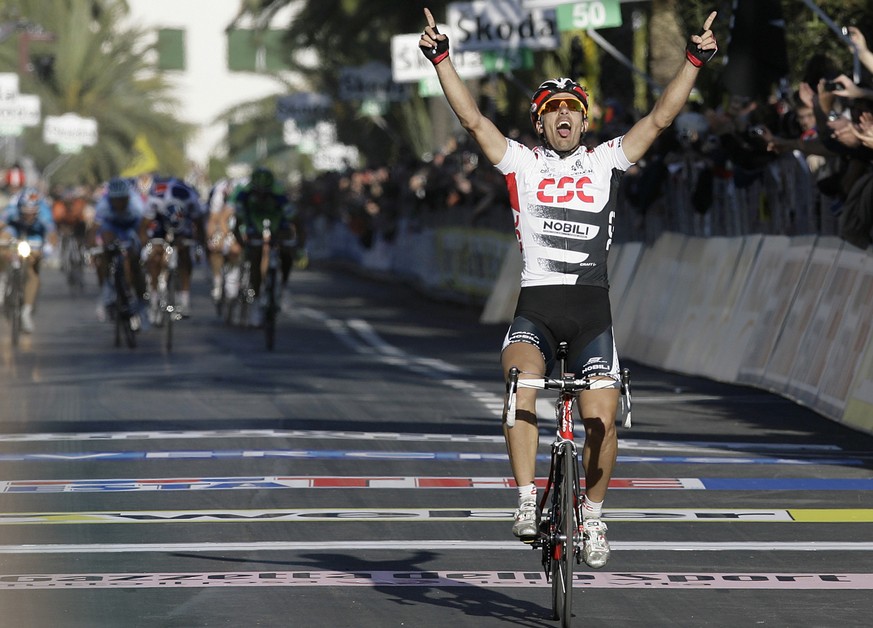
(796, 343)
(526, 579)
(309, 515)
(732, 313)
(361, 482)
(773, 298)
(371, 81)
(408, 65)
(501, 25)
(333, 454)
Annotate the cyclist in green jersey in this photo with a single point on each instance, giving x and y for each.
(259, 201)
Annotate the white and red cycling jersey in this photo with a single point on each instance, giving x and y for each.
(563, 210)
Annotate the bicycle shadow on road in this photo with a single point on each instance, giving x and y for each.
(471, 600)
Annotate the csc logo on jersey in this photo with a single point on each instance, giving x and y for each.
(564, 190)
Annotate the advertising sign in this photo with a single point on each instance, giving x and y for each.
(501, 25)
(408, 65)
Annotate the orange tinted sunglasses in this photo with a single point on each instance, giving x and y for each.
(554, 104)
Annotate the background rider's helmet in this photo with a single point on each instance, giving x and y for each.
(28, 201)
(118, 188)
(262, 180)
(555, 86)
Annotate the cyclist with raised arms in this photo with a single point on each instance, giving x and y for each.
(562, 196)
(256, 202)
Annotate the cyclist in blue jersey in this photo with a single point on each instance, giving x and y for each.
(29, 218)
(119, 219)
(562, 196)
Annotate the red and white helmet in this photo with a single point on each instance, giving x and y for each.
(555, 86)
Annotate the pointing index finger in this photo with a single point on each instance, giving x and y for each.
(708, 21)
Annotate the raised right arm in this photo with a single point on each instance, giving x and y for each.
(487, 135)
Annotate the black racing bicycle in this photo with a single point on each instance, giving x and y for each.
(122, 310)
(16, 278)
(73, 259)
(236, 311)
(270, 286)
(560, 532)
(166, 311)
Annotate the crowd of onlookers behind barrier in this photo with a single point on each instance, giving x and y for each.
(797, 162)
(727, 171)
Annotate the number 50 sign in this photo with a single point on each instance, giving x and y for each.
(584, 15)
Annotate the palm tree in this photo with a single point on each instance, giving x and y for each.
(96, 69)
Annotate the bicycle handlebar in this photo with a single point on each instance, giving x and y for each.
(567, 385)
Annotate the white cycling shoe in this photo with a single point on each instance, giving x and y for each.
(595, 552)
(527, 521)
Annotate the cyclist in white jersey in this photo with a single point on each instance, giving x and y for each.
(562, 196)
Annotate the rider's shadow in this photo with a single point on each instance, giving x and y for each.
(424, 588)
(471, 600)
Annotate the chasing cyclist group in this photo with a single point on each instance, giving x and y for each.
(222, 226)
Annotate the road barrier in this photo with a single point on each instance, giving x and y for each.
(789, 315)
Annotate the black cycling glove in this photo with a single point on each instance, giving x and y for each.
(436, 53)
(698, 57)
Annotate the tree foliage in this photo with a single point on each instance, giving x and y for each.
(95, 68)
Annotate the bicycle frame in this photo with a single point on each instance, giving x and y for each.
(560, 532)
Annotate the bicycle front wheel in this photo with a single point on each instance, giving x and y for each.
(16, 302)
(270, 311)
(170, 309)
(564, 546)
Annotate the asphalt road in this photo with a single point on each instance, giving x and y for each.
(356, 476)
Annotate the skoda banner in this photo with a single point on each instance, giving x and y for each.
(501, 25)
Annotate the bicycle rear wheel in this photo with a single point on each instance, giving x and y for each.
(75, 267)
(564, 546)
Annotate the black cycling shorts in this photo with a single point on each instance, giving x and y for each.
(578, 315)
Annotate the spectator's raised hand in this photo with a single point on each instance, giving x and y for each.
(843, 131)
(858, 39)
(864, 129)
(848, 89)
(826, 98)
(806, 94)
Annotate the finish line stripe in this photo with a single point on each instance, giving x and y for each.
(426, 515)
(394, 437)
(442, 545)
(413, 482)
(344, 482)
(501, 579)
(334, 454)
